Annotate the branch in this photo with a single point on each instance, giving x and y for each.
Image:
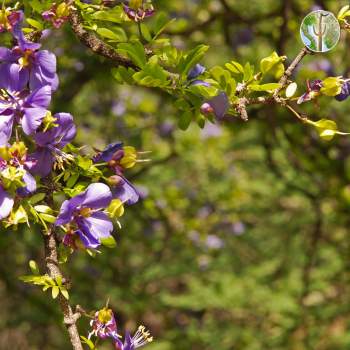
(289, 71)
(53, 269)
(95, 44)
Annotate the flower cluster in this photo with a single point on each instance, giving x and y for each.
(337, 87)
(57, 14)
(104, 326)
(217, 105)
(27, 81)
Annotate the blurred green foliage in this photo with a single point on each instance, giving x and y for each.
(242, 238)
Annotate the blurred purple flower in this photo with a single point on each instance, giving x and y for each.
(197, 70)
(218, 105)
(313, 89)
(214, 242)
(345, 92)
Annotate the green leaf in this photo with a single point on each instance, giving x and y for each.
(331, 86)
(192, 58)
(145, 32)
(205, 91)
(124, 75)
(72, 180)
(37, 25)
(185, 120)
(161, 22)
(221, 75)
(43, 209)
(37, 198)
(272, 64)
(235, 67)
(115, 15)
(152, 74)
(265, 87)
(109, 242)
(48, 218)
(55, 291)
(135, 51)
(65, 293)
(344, 12)
(107, 33)
(248, 72)
(34, 267)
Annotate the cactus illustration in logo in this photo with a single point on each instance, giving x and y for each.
(320, 31)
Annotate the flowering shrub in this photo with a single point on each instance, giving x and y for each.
(76, 197)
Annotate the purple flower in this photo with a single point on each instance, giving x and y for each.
(142, 337)
(9, 19)
(17, 104)
(84, 213)
(138, 14)
(39, 65)
(49, 143)
(57, 15)
(218, 105)
(313, 88)
(345, 92)
(6, 204)
(104, 325)
(123, 190)
(197, 70)
(112, 151)
(14, 173)
(118, 157)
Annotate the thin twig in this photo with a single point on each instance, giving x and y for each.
(97, 45)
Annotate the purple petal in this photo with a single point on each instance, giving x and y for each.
(46, 60)
(58, 136)
(125, 191)
(96, 196)
(345, 92)
(99, 225)
(40, 97)
(220, 105)
(66, 129)
(6, 124)
(23, 43)
(67, 211)
(44, 70)
(107, 154)
(198, 69)
(30, 185)
(6, 55)
(6, 203)
(32, 119)
(88, 240)
(43, 162)
(12, 77)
